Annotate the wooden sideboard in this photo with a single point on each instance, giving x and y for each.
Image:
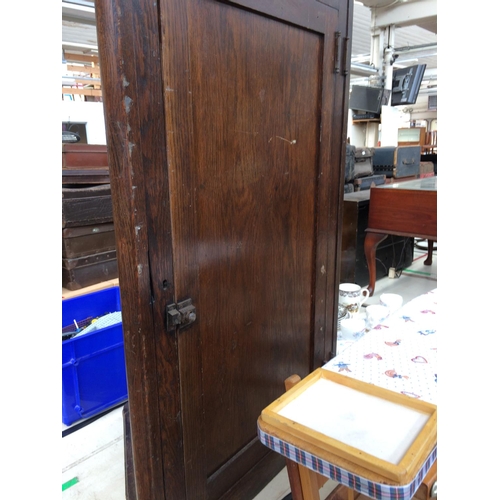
(404, 209)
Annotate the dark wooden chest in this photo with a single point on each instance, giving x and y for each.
(84, 164)
(76, 156)
(83, 206)
(365, 183)
(88, 270)
(88, 240)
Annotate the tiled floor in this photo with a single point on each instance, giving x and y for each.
(93, 463)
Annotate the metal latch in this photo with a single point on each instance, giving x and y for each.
(181, 314)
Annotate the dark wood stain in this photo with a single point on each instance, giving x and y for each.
(226, 131)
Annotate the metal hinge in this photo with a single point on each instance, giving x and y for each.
(180, 315)
(338, 54)
(346, 62)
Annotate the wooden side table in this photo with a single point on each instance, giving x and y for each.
(404, 209)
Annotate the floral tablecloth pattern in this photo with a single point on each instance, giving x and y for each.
(399, 354)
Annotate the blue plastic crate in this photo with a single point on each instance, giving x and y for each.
(93, 365)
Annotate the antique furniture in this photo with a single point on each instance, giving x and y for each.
(394, 251)
(226, 132)
(88, 238)
(84, 164)
(402, 208)
(412, 136)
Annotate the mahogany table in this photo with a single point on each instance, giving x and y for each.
(404, 209)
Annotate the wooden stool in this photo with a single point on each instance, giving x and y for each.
(305, 483)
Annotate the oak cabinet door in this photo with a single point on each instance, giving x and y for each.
(226, 125)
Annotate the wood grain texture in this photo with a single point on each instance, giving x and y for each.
(86, 206)
(84, 155)
(133, 102)
(226, 135)
(404, 212)
(297, 428)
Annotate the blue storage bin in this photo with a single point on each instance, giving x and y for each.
(93, 365)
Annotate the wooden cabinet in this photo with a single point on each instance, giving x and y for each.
(413, 136)
(417, 136)
(226, 132)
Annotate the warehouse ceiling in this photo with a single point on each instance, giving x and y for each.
(414, 24)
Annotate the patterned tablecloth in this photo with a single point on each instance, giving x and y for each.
(400, 354)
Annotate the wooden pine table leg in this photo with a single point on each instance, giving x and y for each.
(309, 483)
(342, 492)
(291, 466)
(294, 478)
(304, 483)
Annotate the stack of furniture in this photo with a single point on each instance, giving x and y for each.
(372, 167)
(88, 236)
(359, 174)
(368, 167)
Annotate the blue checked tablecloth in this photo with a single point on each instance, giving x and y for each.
(400, 354)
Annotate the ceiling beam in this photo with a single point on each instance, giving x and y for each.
(78, 13)
(83, 58)
(84, 47)
(80, 91)
(95, 70)
(405, 14)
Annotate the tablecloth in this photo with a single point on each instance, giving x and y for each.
(399, 354)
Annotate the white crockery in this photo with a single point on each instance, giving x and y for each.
(391, 300)
(375, 314)
(352, 328)
(351, 296)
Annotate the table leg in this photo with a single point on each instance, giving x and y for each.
(430, 249)
(309, 483)
(304, 483)
(294, 479)
(372, 240)
(291, 466)
(342, 492)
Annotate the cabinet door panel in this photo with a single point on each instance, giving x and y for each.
(241, 206)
